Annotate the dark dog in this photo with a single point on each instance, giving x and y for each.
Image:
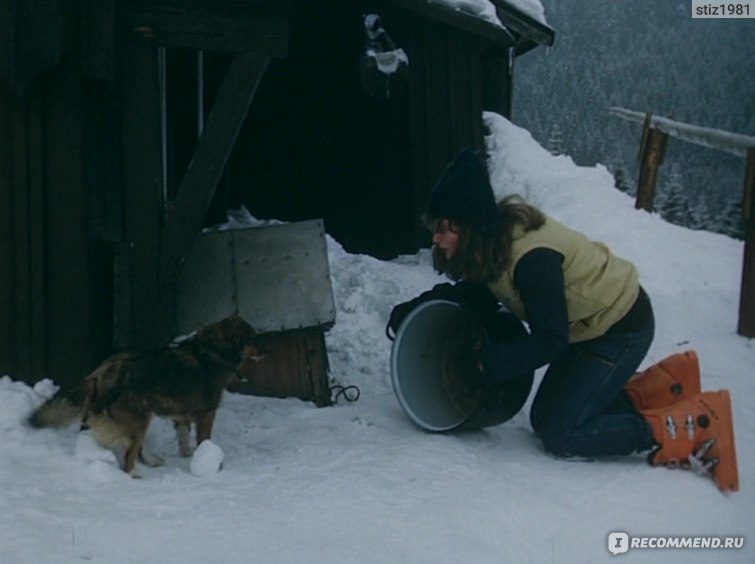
(184, 383)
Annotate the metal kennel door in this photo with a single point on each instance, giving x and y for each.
(276, 277)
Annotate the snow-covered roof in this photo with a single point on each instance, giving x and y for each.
(520, 21)
(524, 17)
(486, 9)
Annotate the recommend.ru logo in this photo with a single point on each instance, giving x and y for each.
(620, 542)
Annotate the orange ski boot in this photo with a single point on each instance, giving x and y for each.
(697, 432)
(675, 378)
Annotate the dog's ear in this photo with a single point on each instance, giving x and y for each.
(238, 330)
(90, 393)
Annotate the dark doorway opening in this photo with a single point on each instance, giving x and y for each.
(316, 144)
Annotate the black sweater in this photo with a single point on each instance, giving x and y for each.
(539, 278)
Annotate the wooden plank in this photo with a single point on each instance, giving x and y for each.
(8, 48)
(198, 187)
(212, 26)
(475, 86)
(746, 324)
(437, 93)
(22, 250)
(40, 32)
(97, 33)
(255, 36)
(421, 183)
(77, 277)
(295, 365)
(496, 81)
(653, 152)
(37, 228)
(748, 199)
(317, 361)
(238, 8)
(143, 318)
(732, 143)
(7, 233)
(460, 75)
(27, 290)
(102, 154)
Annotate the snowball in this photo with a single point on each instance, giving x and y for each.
(207, 459)
(18, 400)
(46, 388)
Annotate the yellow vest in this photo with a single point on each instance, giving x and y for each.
(600, 288)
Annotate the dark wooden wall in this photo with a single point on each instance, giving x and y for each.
(317, 144)
(89, 248)
(455, 76)
(56, 285)
(159, 229)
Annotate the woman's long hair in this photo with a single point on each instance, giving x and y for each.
(484, 257)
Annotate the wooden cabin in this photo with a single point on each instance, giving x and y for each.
(126, 126)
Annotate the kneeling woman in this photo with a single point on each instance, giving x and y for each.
(589, 320)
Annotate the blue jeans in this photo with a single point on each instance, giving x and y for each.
(581, 409)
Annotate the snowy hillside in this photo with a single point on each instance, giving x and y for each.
(563, 95)
(359, 483)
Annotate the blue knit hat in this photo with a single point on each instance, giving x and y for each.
(464, 194)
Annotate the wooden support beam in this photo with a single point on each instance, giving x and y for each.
(747, 294)
(229, 27)
(652, 152)
(188, 209)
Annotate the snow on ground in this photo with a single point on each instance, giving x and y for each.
(359, 483)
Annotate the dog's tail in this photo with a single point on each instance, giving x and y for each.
(59, 411)
(95, 394)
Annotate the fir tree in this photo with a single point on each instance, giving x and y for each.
(731, 221)
(699, 215)
(621, 181)
(555, 143)
(621, 178)
(672, 202)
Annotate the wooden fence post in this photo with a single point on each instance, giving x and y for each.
(652, 151)
(747, 291)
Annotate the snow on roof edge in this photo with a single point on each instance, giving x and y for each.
(486, 10)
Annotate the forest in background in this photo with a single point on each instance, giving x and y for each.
(645, 55)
